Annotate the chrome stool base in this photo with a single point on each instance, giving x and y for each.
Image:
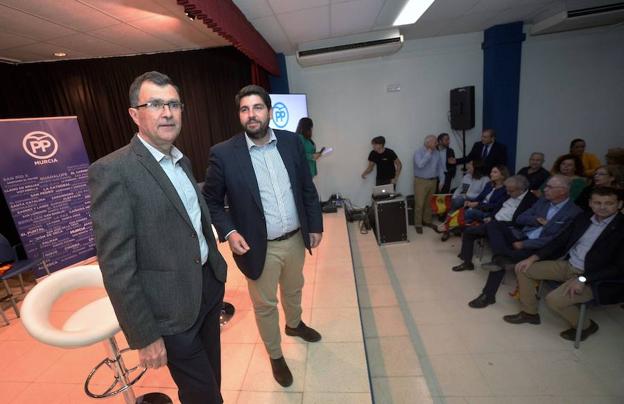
(227, 312)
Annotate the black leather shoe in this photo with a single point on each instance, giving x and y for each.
(570, 333)
(303, 331)
(419, 230)
(281, 373)
(522, 318)
(445, 236)
(464, 266)
(482, 301)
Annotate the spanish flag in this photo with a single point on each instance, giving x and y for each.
(455, 219)
(440, 203)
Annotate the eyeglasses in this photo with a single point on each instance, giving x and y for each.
(159, 105)
(553, 186)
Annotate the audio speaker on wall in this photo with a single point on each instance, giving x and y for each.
(462, 108)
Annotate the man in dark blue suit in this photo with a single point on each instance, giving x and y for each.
(487, 150)
(273, 216)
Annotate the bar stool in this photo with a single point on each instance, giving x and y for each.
(92, 323)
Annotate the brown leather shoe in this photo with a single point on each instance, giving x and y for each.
(303, 331)
(522, 318)
(281, 373)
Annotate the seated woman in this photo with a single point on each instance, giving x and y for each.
(604, 176)
(570, 166)
(486, 203)
(490, 199)
(471, 186)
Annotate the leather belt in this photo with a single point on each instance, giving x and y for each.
(286, 236)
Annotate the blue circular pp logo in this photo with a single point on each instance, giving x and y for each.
(280, 115)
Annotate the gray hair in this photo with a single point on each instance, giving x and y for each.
(155, 77)
(428, 137)
(519, 181)
(562, 180)
(537, 153)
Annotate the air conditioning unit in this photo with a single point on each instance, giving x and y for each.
(351, 47)
(569, 20)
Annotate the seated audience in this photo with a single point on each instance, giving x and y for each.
(590, 161)
(535, 172)
(604, 176)
(588, 251)
(571, 167)
(532, 230)
(490, 199)
(519, 201)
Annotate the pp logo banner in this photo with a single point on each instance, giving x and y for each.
(280, 115)
(40, 145)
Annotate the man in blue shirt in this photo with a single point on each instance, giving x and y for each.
(428, 170)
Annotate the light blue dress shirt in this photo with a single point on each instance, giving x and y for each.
(552, 211)
(580, 249)
(276, 195)
(185, 189)
(429, 164)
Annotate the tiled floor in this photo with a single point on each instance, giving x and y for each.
(425, 344)
(331, 371)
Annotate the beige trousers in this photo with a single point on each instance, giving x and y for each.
(423, 189)
(557, 300)
(283, 266)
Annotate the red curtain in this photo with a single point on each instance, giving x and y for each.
(226, 19)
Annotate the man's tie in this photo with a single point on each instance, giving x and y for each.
(485, 151)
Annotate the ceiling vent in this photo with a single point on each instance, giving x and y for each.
(580, 18)
(348, 48)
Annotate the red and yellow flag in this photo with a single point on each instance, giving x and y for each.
(440, 203)
(455, 219)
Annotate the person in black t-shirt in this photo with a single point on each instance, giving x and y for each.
(386, 160)
(534, 172)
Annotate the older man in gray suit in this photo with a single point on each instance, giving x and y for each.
(160, 263)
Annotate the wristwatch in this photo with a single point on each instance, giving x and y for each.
(582, 279)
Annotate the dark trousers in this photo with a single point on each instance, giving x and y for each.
(446, 187)
(501, 238)
(469, 236)
(382, 181)
(194, 356)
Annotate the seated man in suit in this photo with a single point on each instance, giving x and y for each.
(488, 150)
(589, 250)
(546, 219)
(519, 201)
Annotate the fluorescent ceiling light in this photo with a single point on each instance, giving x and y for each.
(412, 11)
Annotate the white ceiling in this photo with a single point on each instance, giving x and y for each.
(32, 30)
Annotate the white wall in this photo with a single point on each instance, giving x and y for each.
(350, 105)
(571, 85)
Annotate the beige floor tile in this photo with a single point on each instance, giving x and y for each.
(458, 375)
(10, 390)
(51, 393)
(384, 321)
(372, 275)
(336, 367)
(235, 359)
(338, 273)
(337, 325)
(24, 361)
(74, 365)
(336, 398)
(379, 295)
(401, 390)
(230, 396)
(334, 295)
(269, 397)
(259, 376)
(392, 356)
(242, 328)
(442, 339)
(506, 373)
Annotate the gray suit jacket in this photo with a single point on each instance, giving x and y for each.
(146, 245)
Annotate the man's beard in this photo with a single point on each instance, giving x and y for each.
(259, 132)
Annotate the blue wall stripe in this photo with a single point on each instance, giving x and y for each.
(279, 84)
(502, 54)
